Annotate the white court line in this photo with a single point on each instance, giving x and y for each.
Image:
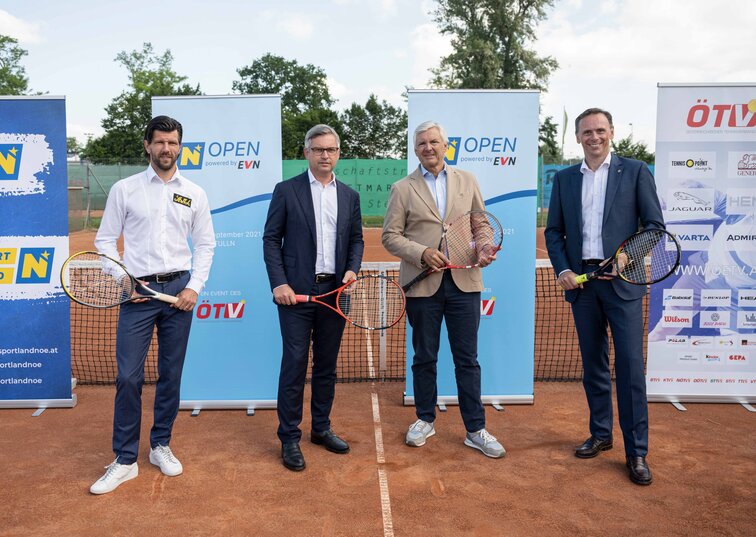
(371, 367)
(388, 523)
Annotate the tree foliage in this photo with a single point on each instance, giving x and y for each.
(376, 130)
(625, 147)
(549, 149)
(13, 80)
(490, 40)
(150, 75)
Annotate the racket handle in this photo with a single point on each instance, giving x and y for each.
(583, 278)
(165, 298)
(303, 298)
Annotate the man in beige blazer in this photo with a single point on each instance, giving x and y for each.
(418, 206)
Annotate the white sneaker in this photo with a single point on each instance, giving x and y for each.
(418, 433)
(115, 475)
(163, 457)
(485, 442)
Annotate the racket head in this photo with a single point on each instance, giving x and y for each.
(372, 302)
(472, 234)
(96, 280)
(647, 257)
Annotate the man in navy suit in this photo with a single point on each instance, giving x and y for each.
(312, 244)
(594, 207)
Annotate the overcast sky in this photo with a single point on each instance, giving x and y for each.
(611, 53)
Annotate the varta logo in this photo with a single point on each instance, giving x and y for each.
(10, 161)
(178, 198)
(191, 156)
(452, 152)
(31, 265)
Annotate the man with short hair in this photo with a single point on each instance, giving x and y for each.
(418, 207)
(157, 211)
(594, 207)
(312, 244)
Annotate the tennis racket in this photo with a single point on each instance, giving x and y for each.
(372, 302)
(644, 258)
(464, 240)
(93, 279)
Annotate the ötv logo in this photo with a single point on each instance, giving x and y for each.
(10, 161)
(34, 265)
(191, 155)
(452, 151)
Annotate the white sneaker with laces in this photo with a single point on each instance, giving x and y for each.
(115, 475)
(163, 457)
(418, 433)
(485, 442)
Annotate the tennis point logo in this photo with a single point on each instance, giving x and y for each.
(721, 115)
(10, 161)
(220, 311)
(234, 154)
(700, 165)
(489, 150)
(26, 265)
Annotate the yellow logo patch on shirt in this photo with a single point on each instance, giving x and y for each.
(178, 198)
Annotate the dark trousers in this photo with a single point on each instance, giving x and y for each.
(596, 307)
(462, 314)
(301, 324)
(136, 324)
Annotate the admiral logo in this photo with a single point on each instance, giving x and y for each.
(740, 201)
(199, 155)
(191, 156)
(481, 149)
(691, 237)
(743, 242)
(702, 342)
(718, 298)
(178, 198)
(487, 307)
(741, 165)
(10, 161)
(724, 115)
(220, 311)
(747, 298)
(678, 297)
(714, 319)
(677, 320)
(452, 151)
(746, 319)
(737, 359)
(677, 341)
(30, 265)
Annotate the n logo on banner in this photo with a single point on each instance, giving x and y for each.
(10, 161)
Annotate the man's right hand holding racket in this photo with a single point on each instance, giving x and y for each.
(284, 295)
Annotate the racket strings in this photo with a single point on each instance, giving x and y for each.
(470, 236)
(645, 258)
(373, 302)
(95, 280)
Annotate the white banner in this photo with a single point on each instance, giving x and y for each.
(702, 320)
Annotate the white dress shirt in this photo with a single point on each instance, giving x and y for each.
(437, 186)
(326, 206)
(156, 219)
(593, 198)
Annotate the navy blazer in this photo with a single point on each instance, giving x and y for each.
(631, 203)
(289, 239)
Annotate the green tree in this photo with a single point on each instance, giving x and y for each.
(73, 147)
(305, 99)
(13, 80)
(547, 138)
(637, 150)
(374, 131)
(490, 40)
(150, 75)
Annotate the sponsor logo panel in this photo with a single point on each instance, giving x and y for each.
(687, 165)
(691, 237)
(239, 154)
(747, 319)
(726, 342)
(493, 150)
(740, 358)
(690, 203)
(487, 307)
(688, 357)
(718, 298)
(712, 358)
(741, 201)
(747, 341)
(711, 114)
(677, 341)
(714, 319)
(26, 265)
(677, 319)
(678, 297)
(702, 342)
(747, 298)
(741, 164)
(10, 161)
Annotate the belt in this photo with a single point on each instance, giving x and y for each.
(592, 261)
(163, 278)
(322, 278)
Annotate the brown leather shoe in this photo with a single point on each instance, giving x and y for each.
(592, 447)
(640, 473)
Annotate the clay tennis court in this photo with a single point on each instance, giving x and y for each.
(704, 464)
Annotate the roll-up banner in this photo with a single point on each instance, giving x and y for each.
(232, 148)
(35, 343)
(494, 135)
(702, 320)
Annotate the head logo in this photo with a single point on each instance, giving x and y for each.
(35, 265)
(10, 161)
(452, 152)
(191, 156)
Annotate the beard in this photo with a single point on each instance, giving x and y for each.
(167, 164)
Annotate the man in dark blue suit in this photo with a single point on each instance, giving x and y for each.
(594, 207)
(312, 244)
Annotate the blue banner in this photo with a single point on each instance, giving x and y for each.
(232, 148)
(35, 345)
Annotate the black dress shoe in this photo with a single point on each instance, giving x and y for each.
(640, 474)
(292, 456)
(330, 441)
(592, 447)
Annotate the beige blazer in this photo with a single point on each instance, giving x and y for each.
(413, 223)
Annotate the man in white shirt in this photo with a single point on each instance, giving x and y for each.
(312, 244)
(157, 212)
(594, 207)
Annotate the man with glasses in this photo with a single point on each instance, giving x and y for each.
(312, 244)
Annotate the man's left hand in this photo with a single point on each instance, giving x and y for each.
(187, 299)
(486, 256)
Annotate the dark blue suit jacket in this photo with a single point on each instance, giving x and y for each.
(289, 240)
(631, 203)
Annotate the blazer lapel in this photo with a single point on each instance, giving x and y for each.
(576, 192)
(612, 184)
(304, 196)
(452, 189)
(419, 185)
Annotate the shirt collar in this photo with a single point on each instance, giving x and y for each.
(152, 175)
(584, 167)
(313, 179)
(426, 173)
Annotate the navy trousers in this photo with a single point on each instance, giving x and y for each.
(596, 307)
(462, 314)
(136, 324)
(301, 324)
